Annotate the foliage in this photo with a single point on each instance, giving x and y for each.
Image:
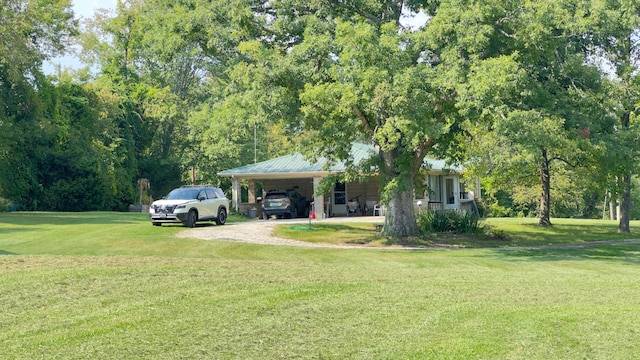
(461, 222)
(6, 205)
(30, 32)
(340, 74)
(619, 45)
(534, 114)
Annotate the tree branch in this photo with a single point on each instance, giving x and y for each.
(422, 152)
(563, 160)
(364, 120)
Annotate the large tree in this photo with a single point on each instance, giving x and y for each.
(620, 46)
(341, 72)
(530, 83)
(30, 32)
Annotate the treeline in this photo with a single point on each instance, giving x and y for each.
(539, 100)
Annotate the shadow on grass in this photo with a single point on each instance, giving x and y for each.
(566, 233)
(16, 230)
(3, 252)
(68, 218)
(615, 251)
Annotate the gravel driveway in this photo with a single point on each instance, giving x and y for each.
(259, 231)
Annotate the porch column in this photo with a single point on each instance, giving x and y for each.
(318, 205)
(252, 191)
(235, 193)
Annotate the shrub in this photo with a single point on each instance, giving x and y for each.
(6, 205)
(449, 221)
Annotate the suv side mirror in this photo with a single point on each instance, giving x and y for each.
(201, 198)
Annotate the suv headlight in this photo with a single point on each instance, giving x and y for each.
(184, 206)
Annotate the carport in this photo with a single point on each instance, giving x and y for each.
(295, 172)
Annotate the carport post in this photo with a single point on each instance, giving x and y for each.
(318, 202)
(252, 191)
(235, 193)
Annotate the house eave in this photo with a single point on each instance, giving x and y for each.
(277, 175)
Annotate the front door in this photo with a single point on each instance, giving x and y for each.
(450, 193)
(339, 204)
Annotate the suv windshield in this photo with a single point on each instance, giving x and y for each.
(183, 194)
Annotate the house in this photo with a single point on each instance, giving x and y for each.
(443, 188)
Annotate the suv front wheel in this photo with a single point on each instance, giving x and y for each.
(192, 218)
(222, 216)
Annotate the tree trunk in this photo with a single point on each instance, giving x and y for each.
(612, 208)
(625, 205)
(624, 213)
(545, 199)
(400, 219)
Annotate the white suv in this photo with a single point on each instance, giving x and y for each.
(190, 204)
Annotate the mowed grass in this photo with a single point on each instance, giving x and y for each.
(111, 286)
(498, 232)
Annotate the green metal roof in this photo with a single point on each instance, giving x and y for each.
(296, 164)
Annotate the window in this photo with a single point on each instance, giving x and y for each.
(450, 190)
(340, 194)
(211, 194)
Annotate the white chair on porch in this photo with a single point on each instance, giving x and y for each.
(379, 210)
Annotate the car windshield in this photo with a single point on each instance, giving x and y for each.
(183, 194)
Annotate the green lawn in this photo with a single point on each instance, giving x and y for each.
(511, 231)
(111, 286)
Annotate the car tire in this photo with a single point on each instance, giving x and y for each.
(222, 216)
(192, 218)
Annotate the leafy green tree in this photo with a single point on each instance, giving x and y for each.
(530, 83)
(25, 138)
(332, 73)
(30, 32)
(148, 96)
(168, 60)
(619, 44)
(72, 174)
(382, 84)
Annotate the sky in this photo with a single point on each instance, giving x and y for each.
(85, 9)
